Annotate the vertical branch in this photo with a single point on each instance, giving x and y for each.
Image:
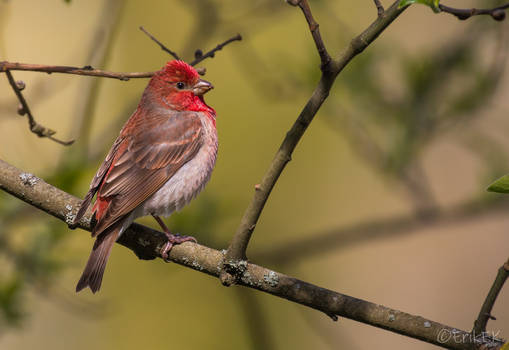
(314, 28)
(485, 313)
(379, 7)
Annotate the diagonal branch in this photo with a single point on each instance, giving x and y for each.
(314, 29)
(147, 243)
(199, 56)
(164, 48)
(485, 313)
(238, 246)
(35, 127)
(497, 13)
(42, 131)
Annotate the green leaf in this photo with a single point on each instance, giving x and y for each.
(501, 185)
(433, 4)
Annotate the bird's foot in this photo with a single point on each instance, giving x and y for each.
(172, 240)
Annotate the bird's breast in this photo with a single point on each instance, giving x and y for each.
(188, 181)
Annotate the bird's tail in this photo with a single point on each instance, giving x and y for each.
(93, 274)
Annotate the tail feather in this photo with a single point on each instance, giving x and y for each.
(93, 274)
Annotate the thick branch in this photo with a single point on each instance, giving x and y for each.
(497, 13)
(87, 70)
(485, 313)
(35, 127)
(147, 243)
(240, 241)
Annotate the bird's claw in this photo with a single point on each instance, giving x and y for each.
(172, 240)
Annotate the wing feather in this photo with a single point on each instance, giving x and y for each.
(145, 158)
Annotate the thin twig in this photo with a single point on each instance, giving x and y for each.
(485, 313)
(90, 71)
(199, 56)
(238, 246)
(147, 244)
(379, 7)
(497, 13)
(35, 127)
(314, 28)
(164, 48)
(87, 70)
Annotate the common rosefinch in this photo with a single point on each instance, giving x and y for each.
(161, 160)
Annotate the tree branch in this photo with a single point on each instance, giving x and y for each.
(314, 29)
(497, 13)
(90, 71)
(146, 244)
(87, 70)
(485, 313)
(164, 48)
(35, 127)
(42, 131)
(238, 246)
(199, 56)
(379, 7)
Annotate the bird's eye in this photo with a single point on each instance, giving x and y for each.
(180, 85)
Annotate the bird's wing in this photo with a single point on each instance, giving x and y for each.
(151, 151)
(99, 176)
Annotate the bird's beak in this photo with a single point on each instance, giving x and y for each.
(201, 87)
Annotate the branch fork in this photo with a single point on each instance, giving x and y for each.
(330, 69)
(42, 131)
(146, 243)
(497, 13)
(232, 266)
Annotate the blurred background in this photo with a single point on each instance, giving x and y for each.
(384, 199)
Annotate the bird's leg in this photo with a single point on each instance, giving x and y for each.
(172, 239)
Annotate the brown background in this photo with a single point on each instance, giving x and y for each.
(441, 271)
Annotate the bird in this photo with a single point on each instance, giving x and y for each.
(162, 158)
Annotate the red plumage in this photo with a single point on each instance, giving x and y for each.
(162, 159)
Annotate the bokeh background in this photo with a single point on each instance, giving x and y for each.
(384, 199)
